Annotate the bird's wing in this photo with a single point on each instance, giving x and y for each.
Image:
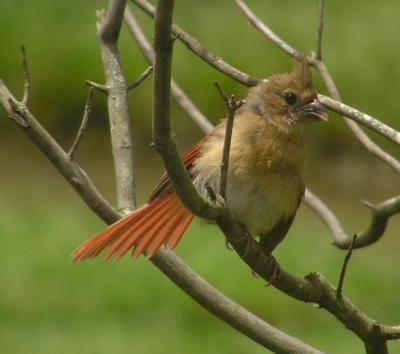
(165, 186)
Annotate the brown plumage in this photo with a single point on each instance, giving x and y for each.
(265, 177)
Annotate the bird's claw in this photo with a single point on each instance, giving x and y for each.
(273, 265)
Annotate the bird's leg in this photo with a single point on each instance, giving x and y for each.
(248, 240)
(267, 245)
(270, 260)
(273, 264)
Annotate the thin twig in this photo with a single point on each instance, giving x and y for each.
(111, 24)
(371, 146)
(86, 115)
(344, 267)
(27, 78)
(360, 117)
(180, 96)
(326, 215)
(195, 46)
(145, 74)
(357, 131)
(318, 52)
(72, 172)
(265, 30)
(380, 215)
(232, 106)
(108, 26)
(210, 192)
(99, 87)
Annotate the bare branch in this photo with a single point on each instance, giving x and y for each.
(170, 264)
(360, 117)
(98, 87)
(312, 289)
(265, 30)
(180, 96)
(357, 131)
(111, 24)
(232, 106)
(162, 135)
(166, 146)
(353, 126)
(227, 310)
(108, 25)
(195, 46)
(82, 127)
(318, 52)
(380, 215)
(326, 215)
(344, 268)
(73, 173)
(27, 78)
(145, 74)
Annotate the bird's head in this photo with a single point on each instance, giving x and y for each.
(290, 96)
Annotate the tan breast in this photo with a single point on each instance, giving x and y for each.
(265, 179)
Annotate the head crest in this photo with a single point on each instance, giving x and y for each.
(301, 72)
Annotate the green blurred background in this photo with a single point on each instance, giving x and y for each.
(48, 305)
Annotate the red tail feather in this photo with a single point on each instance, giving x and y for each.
(163, 220)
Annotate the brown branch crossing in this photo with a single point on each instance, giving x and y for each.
(232, 105)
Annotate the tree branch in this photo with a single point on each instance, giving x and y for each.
(82, 127)
(380, 215)
(372, 147)
(72, 172)
(27, 77)
(145, 74)
(111, 24)
(196, 47)
(98, 87)
(108, 27)
(226, 309)
(170, 264)
(363, 118)
(312, 289)
(344, 267)
(357, 131)
(266, 31)
(180, 96)
(318, 52)
(232, 106)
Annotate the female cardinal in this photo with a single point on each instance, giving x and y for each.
(265, 177)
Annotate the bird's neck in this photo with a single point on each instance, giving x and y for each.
(274, 145)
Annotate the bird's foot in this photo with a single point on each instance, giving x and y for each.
(274, 266)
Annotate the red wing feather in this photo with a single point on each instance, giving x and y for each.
(165, 186)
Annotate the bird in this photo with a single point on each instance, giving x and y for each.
(265, 182)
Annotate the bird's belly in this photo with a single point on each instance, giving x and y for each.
(262, 206)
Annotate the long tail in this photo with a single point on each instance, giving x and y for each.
(162, 221)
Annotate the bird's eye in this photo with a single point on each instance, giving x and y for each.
(290, 97)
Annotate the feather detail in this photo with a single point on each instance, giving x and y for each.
(188, 158)
(162, 221)
(145, 230)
